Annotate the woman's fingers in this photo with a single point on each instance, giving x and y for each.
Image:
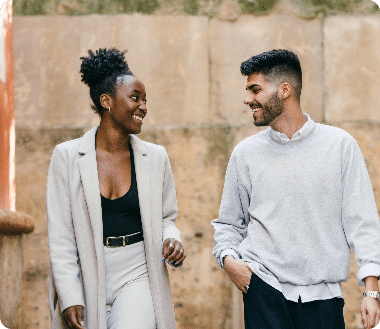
(73, 316)
(168, 246)
(174, 252)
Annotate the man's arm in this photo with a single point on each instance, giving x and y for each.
(231, 226)
(370, 308)
(362, 228)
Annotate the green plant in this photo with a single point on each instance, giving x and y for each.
(191, 7)
(257, 6)
(333, 6)
(140, 6)
(29, 7)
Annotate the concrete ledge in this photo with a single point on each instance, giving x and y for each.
(15, 223)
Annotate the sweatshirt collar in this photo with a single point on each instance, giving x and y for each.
(298, 136)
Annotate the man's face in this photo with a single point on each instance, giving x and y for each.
(262, 98)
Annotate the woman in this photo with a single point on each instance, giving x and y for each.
(111, 208)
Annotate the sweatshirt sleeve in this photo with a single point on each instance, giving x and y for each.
(231, 225)
(359, 214)
(61, 237)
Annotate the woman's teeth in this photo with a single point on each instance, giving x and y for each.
(137, 117)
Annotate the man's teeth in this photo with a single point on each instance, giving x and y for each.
(137, 117)
(255, 109)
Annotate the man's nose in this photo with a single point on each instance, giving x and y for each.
(247, 99)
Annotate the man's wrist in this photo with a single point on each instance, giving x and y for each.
(371, 283)
(227, 259)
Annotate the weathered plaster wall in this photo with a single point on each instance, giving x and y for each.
(190, 66)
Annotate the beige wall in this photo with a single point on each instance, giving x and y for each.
(190, 66)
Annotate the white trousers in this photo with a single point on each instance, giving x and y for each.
(129, 300)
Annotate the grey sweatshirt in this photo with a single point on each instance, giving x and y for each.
(292, 209)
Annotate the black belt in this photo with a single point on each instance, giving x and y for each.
(122, 241)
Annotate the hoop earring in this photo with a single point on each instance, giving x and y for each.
(109, 109)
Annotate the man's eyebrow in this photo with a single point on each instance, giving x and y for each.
(252, 86)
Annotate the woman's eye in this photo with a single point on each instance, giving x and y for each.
(134, 98)
(144, 101)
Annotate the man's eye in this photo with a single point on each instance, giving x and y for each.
(134, 98)
(144, 101)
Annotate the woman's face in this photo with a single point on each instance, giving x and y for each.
(128, 107)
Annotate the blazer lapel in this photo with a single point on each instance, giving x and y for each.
(90, 182)
(143, 186)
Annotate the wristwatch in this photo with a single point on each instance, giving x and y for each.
(373, 294)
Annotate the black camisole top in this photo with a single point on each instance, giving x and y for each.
(122, 216)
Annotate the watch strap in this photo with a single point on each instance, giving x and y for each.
(373, 294)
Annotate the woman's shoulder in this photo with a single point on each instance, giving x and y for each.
(70, 144)
(86, 141)
(148, 147)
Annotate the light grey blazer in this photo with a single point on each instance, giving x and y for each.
(75, 229)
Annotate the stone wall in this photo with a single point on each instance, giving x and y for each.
(190, 67)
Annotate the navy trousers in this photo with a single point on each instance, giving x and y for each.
(266, 308)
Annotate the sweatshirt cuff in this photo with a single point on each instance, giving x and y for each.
(226, 252)
(370, 269)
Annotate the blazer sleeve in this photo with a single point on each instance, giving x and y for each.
(169, 204)
(61, 236)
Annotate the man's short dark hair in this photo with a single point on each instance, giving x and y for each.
(277, 66)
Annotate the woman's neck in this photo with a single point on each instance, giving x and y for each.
(111, 140)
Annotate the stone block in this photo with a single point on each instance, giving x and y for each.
(234, 42)
(352, 68)
(169, 54)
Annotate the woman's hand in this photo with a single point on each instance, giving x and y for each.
(73, 317)
(173, 252)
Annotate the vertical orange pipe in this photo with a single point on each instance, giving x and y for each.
(7, 122)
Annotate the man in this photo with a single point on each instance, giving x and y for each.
(296, 198)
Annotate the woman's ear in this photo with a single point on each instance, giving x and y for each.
(105, 101)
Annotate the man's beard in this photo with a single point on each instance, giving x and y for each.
(270, 111)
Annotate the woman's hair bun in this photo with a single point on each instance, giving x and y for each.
(102, 64)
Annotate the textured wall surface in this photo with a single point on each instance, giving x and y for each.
(190, 66)
(232, 43)
(169, 54)
(352, 70)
